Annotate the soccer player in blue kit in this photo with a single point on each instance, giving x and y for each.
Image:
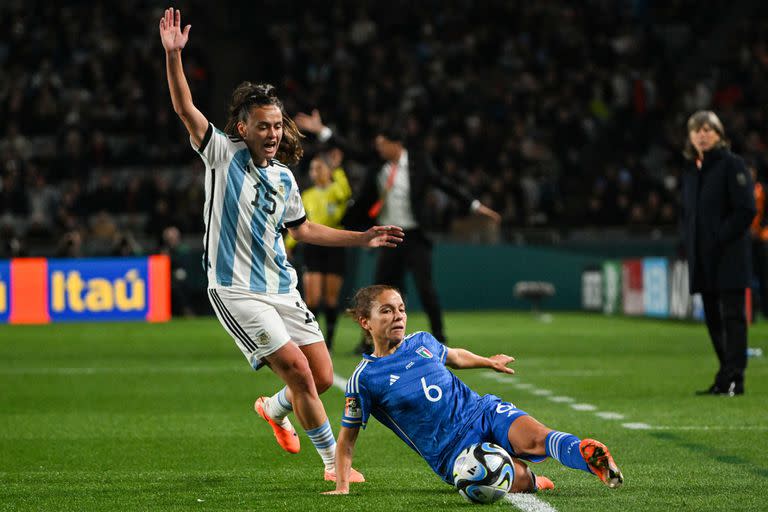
(405, 384)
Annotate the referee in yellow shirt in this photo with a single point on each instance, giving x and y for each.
(325, 203)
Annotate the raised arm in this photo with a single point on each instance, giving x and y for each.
(460, 359)
(452, 189)
(345, 449)
(313, 123)
(174, 40)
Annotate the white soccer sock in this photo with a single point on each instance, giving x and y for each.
(325, 444)
(277, 406)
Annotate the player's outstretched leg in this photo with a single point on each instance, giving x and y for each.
(529, 437)
(291, 365)
(284, 432)
(600, 462)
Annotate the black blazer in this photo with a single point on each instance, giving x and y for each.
(422, 174)
(718, 205)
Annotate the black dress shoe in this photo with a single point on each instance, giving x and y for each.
(733, 388)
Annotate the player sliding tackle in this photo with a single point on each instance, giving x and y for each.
(250, 197)
(406, 386)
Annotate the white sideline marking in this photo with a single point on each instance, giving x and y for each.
(524, 502)
(610, 415)
(340, 382)
(584, 407)
(561, 399)
(529, 503)
(637, 426)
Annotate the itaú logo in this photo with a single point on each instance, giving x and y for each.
(70, 291)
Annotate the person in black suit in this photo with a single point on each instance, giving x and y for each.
(717, 208)
(394, 187)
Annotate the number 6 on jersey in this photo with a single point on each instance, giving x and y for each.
(429, 389)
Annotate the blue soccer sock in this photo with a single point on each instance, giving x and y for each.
(565, 448)
(325, 443)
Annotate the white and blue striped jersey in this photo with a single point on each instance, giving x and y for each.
(414, 394)
(246, 209)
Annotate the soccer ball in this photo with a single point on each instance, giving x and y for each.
(483, 473)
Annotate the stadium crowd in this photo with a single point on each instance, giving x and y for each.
(557, 115)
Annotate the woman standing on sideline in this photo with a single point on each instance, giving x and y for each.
(717, 208)
(324, 267)
(250, 197)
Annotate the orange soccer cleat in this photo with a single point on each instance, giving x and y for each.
(600, 462)
(543, 483)
(284, 433)
(355, 477)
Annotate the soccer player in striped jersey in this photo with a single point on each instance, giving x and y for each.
(406, 385)
(250, 198)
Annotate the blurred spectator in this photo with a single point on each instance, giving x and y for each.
(124, 245)
(70, 245)
(510, 88)
(172, 246)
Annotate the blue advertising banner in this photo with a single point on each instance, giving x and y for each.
(98, 289)
(5, 291)
(656, 287)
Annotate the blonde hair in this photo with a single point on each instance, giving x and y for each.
(695, 122)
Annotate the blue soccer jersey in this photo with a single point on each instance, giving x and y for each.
(413, 394)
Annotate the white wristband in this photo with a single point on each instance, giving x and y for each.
(324, 134)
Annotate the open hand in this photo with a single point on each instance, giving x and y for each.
(171, 35)
(499, 363)
(309, 123)
(383, 236)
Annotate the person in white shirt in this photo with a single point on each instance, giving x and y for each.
(250, 198)
(394, 190)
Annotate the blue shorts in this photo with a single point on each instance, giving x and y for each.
(491, 426)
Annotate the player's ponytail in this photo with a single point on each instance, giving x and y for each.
(248, 95)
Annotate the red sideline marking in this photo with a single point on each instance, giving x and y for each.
(159, 267)
(29, 291)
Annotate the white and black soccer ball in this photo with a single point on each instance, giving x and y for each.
(483, 473)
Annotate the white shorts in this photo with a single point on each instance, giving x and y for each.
(261, 323)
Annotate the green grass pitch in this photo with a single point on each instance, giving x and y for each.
(158, 417)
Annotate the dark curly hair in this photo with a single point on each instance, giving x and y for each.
(248, 95)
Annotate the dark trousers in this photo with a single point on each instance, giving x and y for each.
(414, 254)
(727, 325)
